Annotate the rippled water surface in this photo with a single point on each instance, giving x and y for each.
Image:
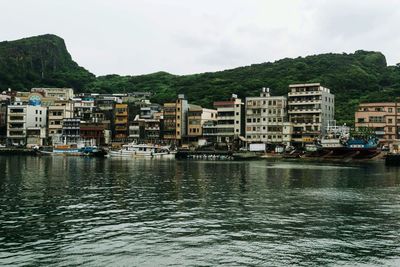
(106, 212)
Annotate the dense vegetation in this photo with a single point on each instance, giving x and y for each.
(40, 61)
(353, 78)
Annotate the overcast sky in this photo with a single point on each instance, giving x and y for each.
(190, 36)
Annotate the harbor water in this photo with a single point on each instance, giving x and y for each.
(72, 211)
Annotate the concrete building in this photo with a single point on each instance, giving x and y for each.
(310, 108)
(83, 108)
(197, 116)
(145, 130)
(16, 124)
(121, 125)
(46, 96)
(4, 102)
(230, 116)
(60, 110)
(93, 132)
(266, 116)
(57, 93)
(382, 118)
(26, 124)
(175, 120)
(71, 130)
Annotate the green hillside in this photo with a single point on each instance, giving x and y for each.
(40, 61)
(353, 78)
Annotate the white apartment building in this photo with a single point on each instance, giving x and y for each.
(310, 108)
(26, 124)
(229, 119)
(266, 118)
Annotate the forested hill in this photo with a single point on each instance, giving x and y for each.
(353, 78)
(40, 61)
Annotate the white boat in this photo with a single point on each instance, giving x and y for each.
(335, 137)
(142, 150)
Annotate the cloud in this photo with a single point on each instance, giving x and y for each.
(143, 36)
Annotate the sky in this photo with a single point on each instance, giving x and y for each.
(132, 37)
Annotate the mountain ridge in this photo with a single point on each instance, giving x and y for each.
(362, 76)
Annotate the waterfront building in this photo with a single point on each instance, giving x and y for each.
(60, 110)
(93, 132)
(382, 118)
(197, 116)
(230, 116)
(310, 108)
(210, 131)
(265, 118)
(175, 119)
(26, 124)
(121, 122)
(145, 130)
(4, 102)
(71, 130)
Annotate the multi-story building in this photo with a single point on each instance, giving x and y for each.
(60, 110)
(83, 108)
(149, 111)
(265, 118)
(16, 124)
(382, 118)
(121, 122)
(230, 116)
(4, 102)
(57, 93)
(26, 124)
(93, 132)
(210, 131)
(310, 108)
(145, 130)
(71, 130)
(197, 116)
(175, 119)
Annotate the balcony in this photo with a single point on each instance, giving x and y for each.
(122, 121)
(299, 111)
(121, 128)
(306, 93)
(302, 102)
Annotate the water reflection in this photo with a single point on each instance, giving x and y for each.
(66, 211)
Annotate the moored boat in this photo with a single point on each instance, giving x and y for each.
(142, 150)
(67, 150)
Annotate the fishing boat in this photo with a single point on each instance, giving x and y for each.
(61, 150)
(142, 150)
(370, 143)
(72, 150)
(246, 155)
(336, 137)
